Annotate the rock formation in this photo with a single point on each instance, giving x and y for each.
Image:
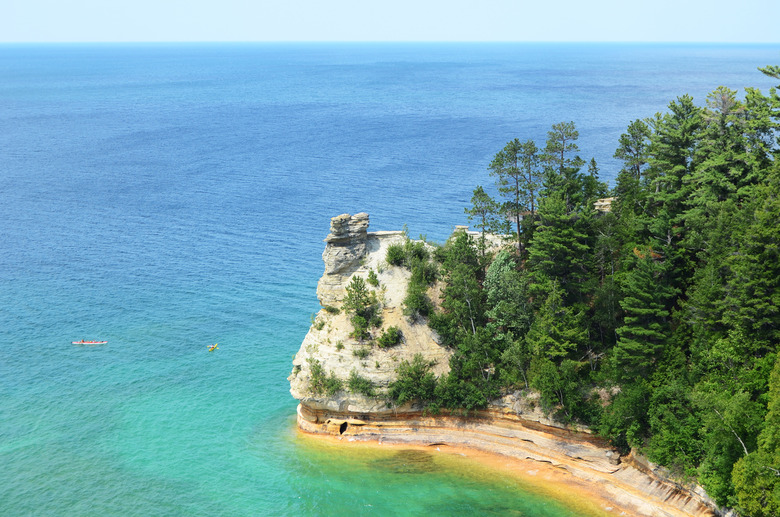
(346, 246)
(513, 426)
(352, 251)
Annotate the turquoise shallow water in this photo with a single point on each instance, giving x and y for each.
(167, 197)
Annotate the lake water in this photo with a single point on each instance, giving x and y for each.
(168, 197)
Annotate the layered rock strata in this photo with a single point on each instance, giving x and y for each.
(512, 426)
(352, 251)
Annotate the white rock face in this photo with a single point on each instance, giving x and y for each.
(353, 251)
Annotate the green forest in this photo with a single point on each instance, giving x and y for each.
(653, 318)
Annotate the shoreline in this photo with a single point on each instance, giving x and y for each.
(573, 467)
(543, 478)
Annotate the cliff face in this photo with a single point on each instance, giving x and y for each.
(351, 251)
(513, 426)
(344, 252)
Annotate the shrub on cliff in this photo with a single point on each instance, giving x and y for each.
(395, 255)
(390, 337)
(417, 304)
(320, 382)
(330, 309)
(372, 278)
(415, 381)
(362, 305)
(362, 385)
(415, 250)
(413, 255)
(424, 272)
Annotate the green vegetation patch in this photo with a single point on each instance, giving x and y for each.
(361, 385)
(648, 311)
(362, 352)
(320, 382)
(390, 337)
(415, 382)
(363, 306)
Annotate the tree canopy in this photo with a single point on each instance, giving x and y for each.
(655, 321)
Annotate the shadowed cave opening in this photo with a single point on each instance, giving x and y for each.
(343, 427)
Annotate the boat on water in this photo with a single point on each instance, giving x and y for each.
(213, 347)
(84, 342)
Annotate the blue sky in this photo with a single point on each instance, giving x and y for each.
(747, 21)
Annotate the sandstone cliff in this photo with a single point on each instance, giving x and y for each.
(352, 251)
(513, 426)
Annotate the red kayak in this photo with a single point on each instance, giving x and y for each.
(82, 342)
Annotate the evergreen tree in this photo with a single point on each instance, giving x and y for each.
(606, 295)
(362, 305)
(673, 426)
(559, 249)
(558, 385)
(471, 382)
(517, 177)
(561, 169)
(633, 151)
(761, 126)
(756, 477)
(705, 310)
(592, 188)
(486, 211)
(671, 152)
(771, 71)
(645, 328)
(414, 382)
(754, 294)
(463, 298)
(722, 165)
(625, 420)
(558, 329)
(632, 182)
(606, 245)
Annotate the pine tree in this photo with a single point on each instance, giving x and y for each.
(555, 336)
(486, 212)
(671, 152)
(632, 182)
(755, 291)
(756, 477)
(561, 169)
(645, 328)
(673, 426)
(516, 168)
(633, 151)
(721, 159)
(559, 249)
(558, 329)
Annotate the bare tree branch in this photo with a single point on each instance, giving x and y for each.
(733, 431)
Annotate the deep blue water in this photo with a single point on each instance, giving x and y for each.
(167, 197)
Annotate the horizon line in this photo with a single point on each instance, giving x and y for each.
(360, 42)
